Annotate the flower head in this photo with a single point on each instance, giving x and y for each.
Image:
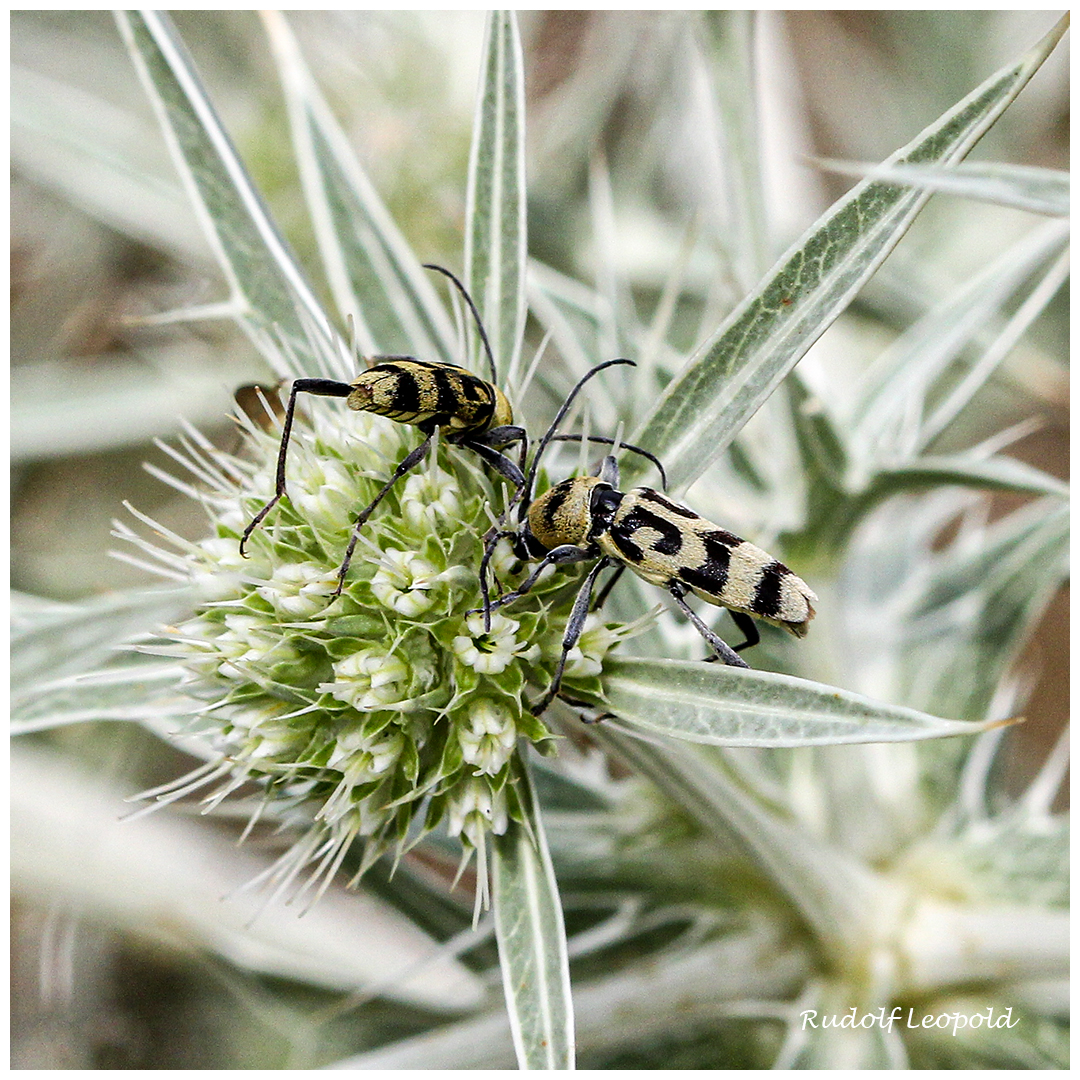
(367, 706)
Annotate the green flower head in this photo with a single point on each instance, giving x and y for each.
(388, 710)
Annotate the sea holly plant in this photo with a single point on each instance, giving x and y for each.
(722, 889)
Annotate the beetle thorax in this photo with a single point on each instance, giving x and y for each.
(503, 415)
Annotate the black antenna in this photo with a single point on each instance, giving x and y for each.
(476, 315)
(603, 440)
(525, 493)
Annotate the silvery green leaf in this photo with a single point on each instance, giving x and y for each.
(100, 158)
(821, 445)
(268, 290)
(1024, 187)
(172, 876)
(1015, 860)
(674, 993)
(994, 473)
(1031, 1043)
(888, 416)
(482, 1042)
(976, 604)
(495, 245)
(373, 273)
(726, 706)
(894, 544)
(950, 404)
(660, 997)
(1036, 803)
(812, 1042)
(831, 890)
(1049, 998)
(610, 280)
(765, 336)
(948, 942)
(1035, 537)
(532, 945)
(143, 687)
(833, 1048)
(574, 315)
(52, 639)
(729, 39)
(888, 554)
(69, 407)
(591, 854)
(580, 319)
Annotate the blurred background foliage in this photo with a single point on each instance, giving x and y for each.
(103, 234)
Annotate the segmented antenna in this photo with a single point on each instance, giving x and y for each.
(524, 497)
(476, 314)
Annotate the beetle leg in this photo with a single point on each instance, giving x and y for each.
(560, 556)
(748, 627)
(574, 626)
(490, 541)
(321, 387)
(498, 461)
(411, 459)
(723, 651)
(600, 600)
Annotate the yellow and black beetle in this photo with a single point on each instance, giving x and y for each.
(467, 411)
(663, 542)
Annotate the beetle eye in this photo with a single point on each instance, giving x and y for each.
(605, 501)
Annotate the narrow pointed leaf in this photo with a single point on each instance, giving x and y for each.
(495, 245)
(1034, 1043)
(1035, 537)
(651, 999)
(712, 703)
(946, 410)
(532, 946)
(890, 398)
(732, 374)
(103, 159)
(132, 692)
(729, 38)
(827, 886)
(821, 446)
(995, 474)
(834, 1048)
(977, 606)
(272, 297)
(373, 273)
(571, 312)
(187, 881)
(51, 639)
(1023, 187)
(1017, 860)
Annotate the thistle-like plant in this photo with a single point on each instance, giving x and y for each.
(724, 892)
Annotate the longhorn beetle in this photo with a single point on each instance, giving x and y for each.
(663, 542)
(467, 410)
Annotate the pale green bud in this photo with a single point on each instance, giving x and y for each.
(404, 581)
(488, 736)
(369, 680)
(325, 494)
(585, 659)
(430, 497)
(362, 760)
(299, 590)
(491, 653)
(476, 810)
